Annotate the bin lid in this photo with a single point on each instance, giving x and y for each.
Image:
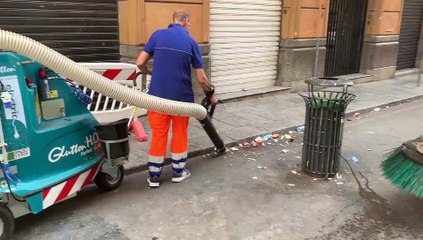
(330, 82)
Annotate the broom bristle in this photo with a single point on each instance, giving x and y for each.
(405, 173)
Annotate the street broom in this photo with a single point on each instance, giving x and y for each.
(404, 167)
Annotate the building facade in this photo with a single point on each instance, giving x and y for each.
(247, 45)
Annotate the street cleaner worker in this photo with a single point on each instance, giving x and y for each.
(174, 52)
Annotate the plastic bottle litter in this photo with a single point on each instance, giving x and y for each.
(377, 109)
(291, 185)
(354, 159)
(300, 129)
(285, 151)
(267, 137)
(234, 149)
(255, 178)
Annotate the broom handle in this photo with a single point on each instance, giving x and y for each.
(135, 108)
(132, 116)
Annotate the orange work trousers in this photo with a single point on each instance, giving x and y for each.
(160, 124)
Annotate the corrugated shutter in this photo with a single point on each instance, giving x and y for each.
(84, 30)
(410, 33)
(244, 37)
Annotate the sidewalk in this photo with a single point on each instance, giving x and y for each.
(243, 120)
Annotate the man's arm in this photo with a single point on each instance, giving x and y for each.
(203, 80)
(142, 62)
(205, 85)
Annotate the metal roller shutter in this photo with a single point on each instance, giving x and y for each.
(244, 38)
(410, 33)
(84, 30)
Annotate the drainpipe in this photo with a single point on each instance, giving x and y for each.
(419, 77)
(316, 58)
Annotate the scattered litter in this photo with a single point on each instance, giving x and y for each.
(259, 139)
(300, 129)
(291, 132)
(254, 144)
(354, 159)
(387, 107)
(377, 109)
(289, 138)
(369, 149)
(291, 185)
(314, 179)
(269, 143)
(302, 144)
(275, 140)
(255, 178)
(234, 149)
(265, 138)
(245, 145)
(370, 132)
(285, 151)
(252, 159)
(276, 136)
(340, 183)
(298, 157)
(357, 115)
(338, 176)
(330, 179)
(294, 172)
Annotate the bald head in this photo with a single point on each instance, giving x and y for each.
(182, 17)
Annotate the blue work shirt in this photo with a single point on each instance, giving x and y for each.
(174, 52)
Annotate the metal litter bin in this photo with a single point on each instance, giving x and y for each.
(324, 123)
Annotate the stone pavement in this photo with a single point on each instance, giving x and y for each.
(243, 120)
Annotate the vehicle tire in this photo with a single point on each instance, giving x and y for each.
(7, 222)
(106, 183)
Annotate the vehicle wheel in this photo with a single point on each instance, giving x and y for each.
(106, 183)
(7, 222)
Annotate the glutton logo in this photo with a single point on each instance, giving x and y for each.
(90, 144)
(4, 69)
